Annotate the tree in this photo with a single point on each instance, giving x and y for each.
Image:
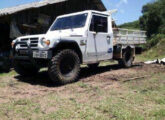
(131, 25)
(153, 18)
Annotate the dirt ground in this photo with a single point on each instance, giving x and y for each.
(16, 87)
(37, 88)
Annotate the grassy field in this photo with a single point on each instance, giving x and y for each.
(96, 97)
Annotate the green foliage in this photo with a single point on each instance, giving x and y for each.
(153, 18)
(131, 25)
(153, 21)
(155, 40)
(154, 48)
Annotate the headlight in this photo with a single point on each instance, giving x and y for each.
(44, 42)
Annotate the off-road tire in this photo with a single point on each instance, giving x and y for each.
(127, 59)
(25, 70)
(64, 67)
(93, 66)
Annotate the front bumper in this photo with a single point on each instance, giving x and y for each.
(30, 54)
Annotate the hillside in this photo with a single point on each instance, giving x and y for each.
(131, 25)
(155, 52)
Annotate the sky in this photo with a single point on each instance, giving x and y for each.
(128, 10)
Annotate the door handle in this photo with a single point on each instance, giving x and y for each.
(108, 39)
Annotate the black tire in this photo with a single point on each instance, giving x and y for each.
(93, 66)
(25, 70)
(127, 59)
(64, 67)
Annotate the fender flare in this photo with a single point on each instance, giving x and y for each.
(68, 44)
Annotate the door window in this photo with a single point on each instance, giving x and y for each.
(99, 24)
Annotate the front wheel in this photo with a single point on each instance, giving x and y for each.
(64, 67)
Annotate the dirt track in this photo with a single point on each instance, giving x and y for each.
(15, 87)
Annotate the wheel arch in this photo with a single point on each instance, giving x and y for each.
(120, 49)
(129, 48)
(68, 44)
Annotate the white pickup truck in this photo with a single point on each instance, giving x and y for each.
(79, 38)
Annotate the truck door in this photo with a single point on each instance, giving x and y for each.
(101, 36)
(91, 54)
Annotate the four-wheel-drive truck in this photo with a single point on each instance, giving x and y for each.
(80, 38)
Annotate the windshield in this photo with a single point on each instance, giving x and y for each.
(76, 21)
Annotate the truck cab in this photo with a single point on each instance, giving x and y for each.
(73, 39)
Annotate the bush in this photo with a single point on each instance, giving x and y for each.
(154, 40)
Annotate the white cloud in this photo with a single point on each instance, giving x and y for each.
(121, 2)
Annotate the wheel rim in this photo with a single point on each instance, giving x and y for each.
(67, 64)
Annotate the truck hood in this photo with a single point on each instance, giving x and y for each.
(63, 34)
(32, 36)
(57, 35)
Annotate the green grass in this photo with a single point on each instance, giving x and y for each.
(133, 100)
(150, 95)
(8, 74)
(82, 85)
(156, 52)
(21, 109)
(140, 100)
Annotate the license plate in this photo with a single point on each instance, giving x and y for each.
(40, 54)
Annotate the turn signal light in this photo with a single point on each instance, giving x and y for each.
(47, 42)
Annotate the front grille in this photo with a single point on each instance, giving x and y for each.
(33, 43)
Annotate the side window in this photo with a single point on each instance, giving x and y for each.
(99, 24)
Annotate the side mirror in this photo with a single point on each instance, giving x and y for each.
(99, 27)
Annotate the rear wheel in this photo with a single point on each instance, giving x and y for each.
(25, 70)
(127, 59)
(64, 67)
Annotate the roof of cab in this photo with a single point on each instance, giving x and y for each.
(82, 12)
